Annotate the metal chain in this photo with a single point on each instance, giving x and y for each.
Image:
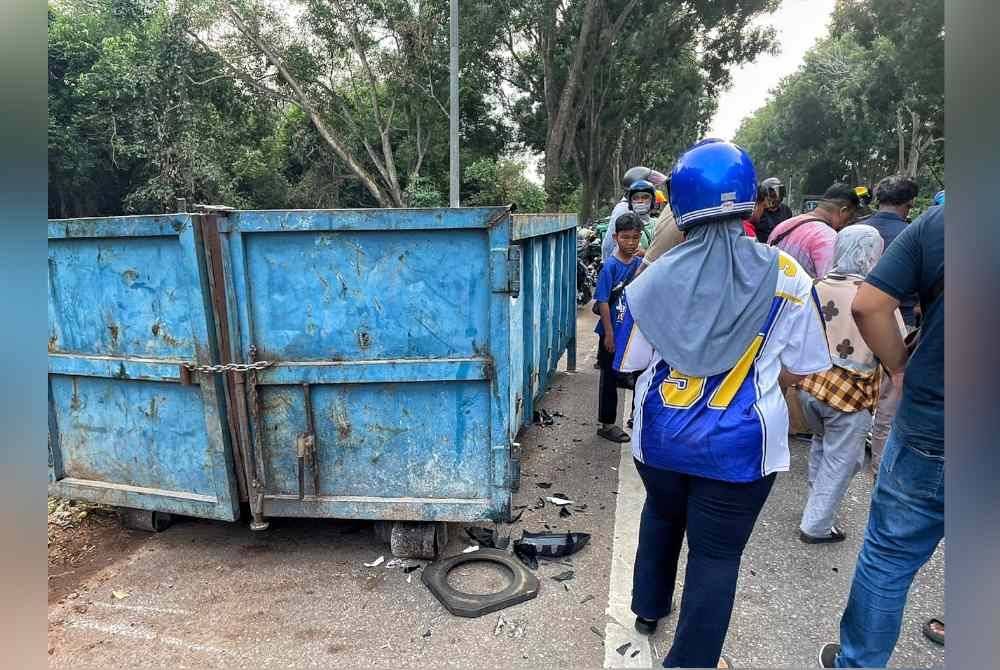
(228, 367)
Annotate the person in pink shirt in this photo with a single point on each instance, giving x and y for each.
(809, 238)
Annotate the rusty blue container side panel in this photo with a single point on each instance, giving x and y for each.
(548, 304)
(418, 342)
(391, 318)
(368, 295)
(376, 440)
(126, 309)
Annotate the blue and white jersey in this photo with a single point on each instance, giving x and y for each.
(732, 426)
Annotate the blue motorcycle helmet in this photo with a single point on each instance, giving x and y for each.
(713, 179)
(939, 197)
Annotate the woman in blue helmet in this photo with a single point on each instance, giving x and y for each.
(715, 323)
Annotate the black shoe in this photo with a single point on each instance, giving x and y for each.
(835, 535)
(828, 654)
(646, 626)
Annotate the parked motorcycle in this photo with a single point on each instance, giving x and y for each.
(588, 264)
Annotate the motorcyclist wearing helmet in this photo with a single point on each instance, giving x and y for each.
(775, 210)
(631, 176)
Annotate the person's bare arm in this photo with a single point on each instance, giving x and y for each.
(875, 313)
(609, 331)
(787, 380)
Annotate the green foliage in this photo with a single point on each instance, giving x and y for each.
(839, 116)
(502, 182)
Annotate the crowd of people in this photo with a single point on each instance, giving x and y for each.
(734, 312)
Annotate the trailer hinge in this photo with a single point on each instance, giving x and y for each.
(506, 270)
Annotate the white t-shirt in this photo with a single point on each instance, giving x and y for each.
(732, 426)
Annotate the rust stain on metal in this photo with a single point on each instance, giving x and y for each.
(74, 402)
(53, 340)
(130, 276)
(155, 329)
(364, 339)
(113, 330)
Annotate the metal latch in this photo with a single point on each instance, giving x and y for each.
(305, 448)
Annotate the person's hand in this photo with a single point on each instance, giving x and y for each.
(609, 342)
(640, 252)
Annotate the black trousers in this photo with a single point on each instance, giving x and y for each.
(718, 518)
(607, 394)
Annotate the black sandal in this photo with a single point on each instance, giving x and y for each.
(932, 634)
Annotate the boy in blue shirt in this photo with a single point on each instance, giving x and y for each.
(618, 271)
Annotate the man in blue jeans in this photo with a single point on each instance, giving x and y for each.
(907, 513)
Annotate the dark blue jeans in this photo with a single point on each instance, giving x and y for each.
(718, 518)
(905, 524)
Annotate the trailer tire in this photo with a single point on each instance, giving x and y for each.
(144, 519)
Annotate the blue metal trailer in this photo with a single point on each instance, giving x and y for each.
(370, 364)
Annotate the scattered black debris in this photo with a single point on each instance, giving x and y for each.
(622, 649)
(543, 485)
(540, 504)
(563, 576)
(593, 629)
(586, 600)
(580, 508)
(426, 635)
(753, 573)
(542, 417)
(559, 414)
(577, 439)
(561, 495)
(634, 654)
(835, 569)
(601, 507)
(517, 517)
(484, 537)
(410, 568)
(564, 512)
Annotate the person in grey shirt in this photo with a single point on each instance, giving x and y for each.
(631, 176)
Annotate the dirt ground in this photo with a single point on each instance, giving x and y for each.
(83, 539)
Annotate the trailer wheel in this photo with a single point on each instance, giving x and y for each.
(409, 539)
(144, 519)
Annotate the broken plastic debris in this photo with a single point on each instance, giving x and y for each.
(484, 537)
(469, 550)
(542, 418)
(426, 635)
(634, 654)
(119, 595)
(410, 568)
(596, 632)
(587, 599)
(543, 485)
(564, 512)
(563, 576)
(622, 649)
(377, 562)
(558, 501)
(548, 545)
(395, 563)
(499, 627)
(517, 517)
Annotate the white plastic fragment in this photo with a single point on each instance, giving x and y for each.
(469, 550)
(377, 562)
(558, 501)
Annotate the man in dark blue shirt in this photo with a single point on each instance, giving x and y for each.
(906, 522)
(895, 197)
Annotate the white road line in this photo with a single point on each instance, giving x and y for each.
(139, 632)
(140, 608)
(628, 507)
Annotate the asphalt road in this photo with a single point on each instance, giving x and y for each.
(214, 595)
